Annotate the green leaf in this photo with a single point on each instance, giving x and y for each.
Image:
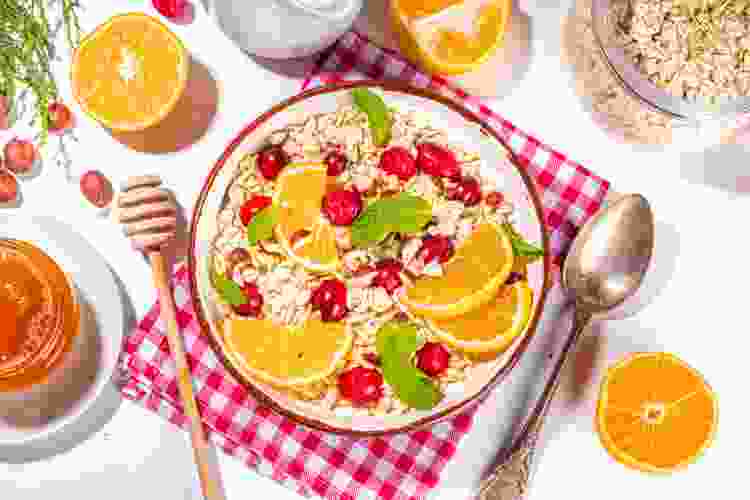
(403, 213)
(262, 224)
(227, 288)
(521, 247)
(396, 344)
(377, 115)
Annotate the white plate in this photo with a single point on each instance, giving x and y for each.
(101, 332)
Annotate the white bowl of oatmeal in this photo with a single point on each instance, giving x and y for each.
(368, 313)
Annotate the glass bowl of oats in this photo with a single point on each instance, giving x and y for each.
(368, 258)
(687, 59)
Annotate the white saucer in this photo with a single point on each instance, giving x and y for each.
(101, 333)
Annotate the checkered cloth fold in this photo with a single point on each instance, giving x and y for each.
(313, 463)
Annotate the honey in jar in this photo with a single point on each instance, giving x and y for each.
(39, 315)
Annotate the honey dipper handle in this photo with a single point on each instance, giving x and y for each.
(201, 447)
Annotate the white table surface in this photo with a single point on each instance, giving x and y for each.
(693, 302)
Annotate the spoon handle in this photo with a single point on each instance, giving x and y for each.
(509, 480)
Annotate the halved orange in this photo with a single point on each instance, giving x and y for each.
(284, 356)
(450, 36)
(129, 73)
(470, 280)
(491, 327)
(306, 236)
(655, 413)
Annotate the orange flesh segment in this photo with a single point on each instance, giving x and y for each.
(421, 8)
(458, 47)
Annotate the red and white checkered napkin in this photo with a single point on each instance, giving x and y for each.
(404, 466)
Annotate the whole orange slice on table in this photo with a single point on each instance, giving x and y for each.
(306, 236)
(450, 36)
(130, 72)
(284, 356)
(471, 278)
(655, 412)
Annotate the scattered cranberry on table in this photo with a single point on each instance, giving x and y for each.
(330, 299)
(361, 385)
(435, 247)
(388, 275)
(20, 156)
(494, 199)
(433, 358)
(171, 9)
(96, 188)
(271, 161)
(8, 187)
(335, 162)
(342, 206)
(252, 207)
(437, 161)
(467, 190)
(60, 118)
(254, 305)
(398, 161)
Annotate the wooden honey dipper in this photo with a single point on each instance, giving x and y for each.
(148, 214)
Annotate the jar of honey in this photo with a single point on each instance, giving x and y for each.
(39, 316)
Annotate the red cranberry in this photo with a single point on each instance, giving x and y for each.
(20, 155)
(330, 298)
(399, 162)
(172, 9)
(96, 188)
(433, 358)
(435, 247)
(334, 312)
(437, 161)
(336, 163)
(342, 206)
(494, 199)
(254, 304)
(467, 191)
(252, 207)
(8, 187)
(60, 117)
(389, 275)
(271, 161)
(361, 385)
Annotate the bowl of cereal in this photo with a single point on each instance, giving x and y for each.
(368, 258)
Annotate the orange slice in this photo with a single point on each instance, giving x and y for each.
(449, 36)
(655, 412)
(283, 356)
(491, 327)
(306, 236)
(130, 72)
(470, 280)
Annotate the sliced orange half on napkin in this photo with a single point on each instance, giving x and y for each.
(655, 412)
(130, 72)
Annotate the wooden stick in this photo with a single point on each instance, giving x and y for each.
(201, 447)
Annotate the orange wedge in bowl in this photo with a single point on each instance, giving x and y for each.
(471, 279)
(130, 72)
(655, 413)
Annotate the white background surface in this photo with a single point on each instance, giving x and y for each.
(695, 297)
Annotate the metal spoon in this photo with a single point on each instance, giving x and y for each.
(605, 266)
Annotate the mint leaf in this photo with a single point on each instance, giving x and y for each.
(521, 247)
(262, 224)
(403, 213)
(227, 288)
(396, 344)
(377, 113)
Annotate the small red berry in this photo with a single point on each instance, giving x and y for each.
(336, 311)
(361, 385)
(330, 299)
(172, 9)
(437, 161)
(399, 162)
(20, 155)
(494, 199)
(254, 304)
(342, 206)
(433, 358)
(336, 163)
(271, 161)
(96, 188)
(438, 247)
(389, 275)
(467, 191)
(252, 207)
(8, 187)
(60, 117)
